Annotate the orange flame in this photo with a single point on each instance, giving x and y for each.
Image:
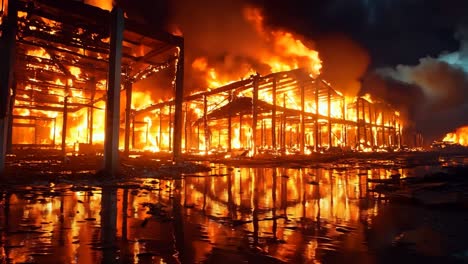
(460, 136)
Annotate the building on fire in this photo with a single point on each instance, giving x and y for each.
(62, 78)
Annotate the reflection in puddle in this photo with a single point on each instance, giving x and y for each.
(230, 215)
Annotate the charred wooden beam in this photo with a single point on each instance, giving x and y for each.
(59, 49)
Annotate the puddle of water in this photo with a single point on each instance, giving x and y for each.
(228, 215)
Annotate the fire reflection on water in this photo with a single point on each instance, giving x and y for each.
(285, 212)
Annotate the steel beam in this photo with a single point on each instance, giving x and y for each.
(111, 143)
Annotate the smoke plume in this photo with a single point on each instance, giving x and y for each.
(229, 40)
(344, 62)
(439, 86)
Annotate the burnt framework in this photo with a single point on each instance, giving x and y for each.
(280, 112)
(43, 48)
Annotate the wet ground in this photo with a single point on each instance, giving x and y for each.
(320, 213)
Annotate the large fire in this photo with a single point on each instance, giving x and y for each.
(284, 52)
(299, 111)
(460, 136)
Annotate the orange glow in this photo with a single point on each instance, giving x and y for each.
(289, 52)
(103, 4)
(460, 136)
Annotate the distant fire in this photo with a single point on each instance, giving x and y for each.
(460, 136)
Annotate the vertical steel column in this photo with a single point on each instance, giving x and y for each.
(92, 88)
(283, 136)
(179, 94)
(316, 127)
(344, 137)
(186, 126)
(229, 136)
(160, 129)
(111, 143)
(329, 118)
(384, 139)
(205, 123)
(358, 130)
(128, 115)
(371, 122)
(169, 126)
(7, 58)
(133, 132)
(302, 135)
(254, 114)
(273, 116)
(240, 129)
(364, 124)
(65, 121)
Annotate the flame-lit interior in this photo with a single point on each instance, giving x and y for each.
(61, 82)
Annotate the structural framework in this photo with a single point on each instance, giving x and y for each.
(61, 74)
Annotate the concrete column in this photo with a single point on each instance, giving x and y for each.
(111, 143)
(179, 98)
(7, 58)
(128, 112)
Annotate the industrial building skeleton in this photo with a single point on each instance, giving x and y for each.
(102, 44)
(83, 39)
(298, 127)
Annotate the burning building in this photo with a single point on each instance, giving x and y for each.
(63, 76)
(281, 113)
